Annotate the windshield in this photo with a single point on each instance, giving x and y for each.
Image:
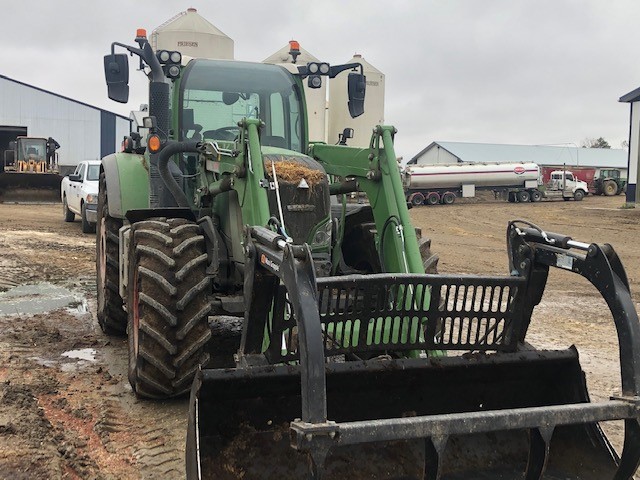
(216, 95)
(32, 148)
(94, 172)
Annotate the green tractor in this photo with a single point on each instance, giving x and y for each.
(608, 182)
(312, 341)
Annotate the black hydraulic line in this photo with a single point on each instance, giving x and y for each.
(163, 168)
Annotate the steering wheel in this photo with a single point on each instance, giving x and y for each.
(224, 133)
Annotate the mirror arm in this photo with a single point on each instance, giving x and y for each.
(147, 56)
(335, 70)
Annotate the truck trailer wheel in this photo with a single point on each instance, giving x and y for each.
(433, 198)
(536, 195)
(448, 198)
(168, 306)
(111, 316)
(68, 215)
(416, 199)
(523, 196)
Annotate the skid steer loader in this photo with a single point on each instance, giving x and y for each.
(312, 341)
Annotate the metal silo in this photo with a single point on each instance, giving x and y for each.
(316, 97)
(339, 117)
(193, 36)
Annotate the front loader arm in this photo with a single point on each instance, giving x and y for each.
(376, 172)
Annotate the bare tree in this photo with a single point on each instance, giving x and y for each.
(595, 143)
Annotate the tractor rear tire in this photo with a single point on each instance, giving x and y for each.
(69, 216)
(610, 188)
(111, 316)
(168, 306)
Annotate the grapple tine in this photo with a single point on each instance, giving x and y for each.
(434, 451)
(630, 458)
(539, 439)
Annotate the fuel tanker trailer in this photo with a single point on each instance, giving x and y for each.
(433, 184)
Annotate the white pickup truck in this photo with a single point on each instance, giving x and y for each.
(80, 195)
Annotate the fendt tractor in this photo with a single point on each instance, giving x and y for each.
(312, 341)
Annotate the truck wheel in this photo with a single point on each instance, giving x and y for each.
(578, 195)
(610, 188)
(86, 226)
(448, 198)
(111, 316)
(416, 199)
(168, 306)
(69, 216)
(536, 195)
(433, 198)
(523, 196)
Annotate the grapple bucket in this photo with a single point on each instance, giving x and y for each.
(339, 392)
(241, 423)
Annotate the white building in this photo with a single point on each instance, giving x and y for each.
(84, 132)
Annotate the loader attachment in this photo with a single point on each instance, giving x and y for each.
(337, 391)
(27, 187)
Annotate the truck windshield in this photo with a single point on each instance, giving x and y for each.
(215, 95)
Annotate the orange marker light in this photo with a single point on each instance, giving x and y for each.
(294, 45)
(141, 32)
(154, 143)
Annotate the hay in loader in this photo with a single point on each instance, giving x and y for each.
(291, 171)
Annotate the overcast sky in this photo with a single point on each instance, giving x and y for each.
(491, 71)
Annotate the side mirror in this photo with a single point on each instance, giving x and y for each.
(357, 85)
(75, 178)
(345, 135)
(116, 73)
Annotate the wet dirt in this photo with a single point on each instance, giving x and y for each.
(67, 411)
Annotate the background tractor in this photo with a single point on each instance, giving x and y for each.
(608, 182)
(313, 342)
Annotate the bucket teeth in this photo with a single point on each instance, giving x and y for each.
(539, 439)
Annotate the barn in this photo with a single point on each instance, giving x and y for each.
(83, 131)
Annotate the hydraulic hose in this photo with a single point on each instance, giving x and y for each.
(163, 168)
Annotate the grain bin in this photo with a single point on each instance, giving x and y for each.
(193, 36)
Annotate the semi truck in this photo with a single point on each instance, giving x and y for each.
(434, 184)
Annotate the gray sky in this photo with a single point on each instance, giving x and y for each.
(494, 71)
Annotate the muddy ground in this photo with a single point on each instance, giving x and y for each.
(67, 411)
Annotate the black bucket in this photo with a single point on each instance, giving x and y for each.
(20, 187)
(239, 419)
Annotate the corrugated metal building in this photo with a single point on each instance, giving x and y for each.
(83, 131)
(543, 155)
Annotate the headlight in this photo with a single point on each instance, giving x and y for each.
(92, 199)
(164, 56)
(176, 57)
(322, 237)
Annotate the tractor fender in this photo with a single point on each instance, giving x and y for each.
(127, 177)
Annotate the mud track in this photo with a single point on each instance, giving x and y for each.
(67, 411)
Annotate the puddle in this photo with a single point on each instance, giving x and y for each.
(41, 298)
(86, 354)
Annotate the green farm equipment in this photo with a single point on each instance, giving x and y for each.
(312, 340)
(608, 182)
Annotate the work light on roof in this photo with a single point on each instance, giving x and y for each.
(164, 56)
(176, 57)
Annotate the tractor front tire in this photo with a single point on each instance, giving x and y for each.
(111, 316)
(168, 306)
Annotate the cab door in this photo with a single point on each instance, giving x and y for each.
(76, 188)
